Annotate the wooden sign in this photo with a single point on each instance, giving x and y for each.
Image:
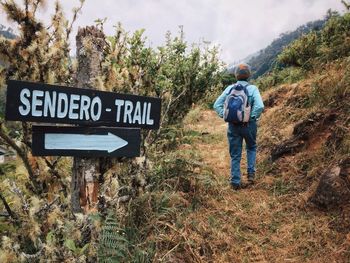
(36, 102)
(85, 141)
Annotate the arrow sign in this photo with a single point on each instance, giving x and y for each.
(85, 141)
(108, 142)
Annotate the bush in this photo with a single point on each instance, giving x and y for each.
(301, 52)
(287, 75)
(6, 168)
(329, 44)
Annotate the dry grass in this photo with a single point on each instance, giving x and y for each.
(271, 221)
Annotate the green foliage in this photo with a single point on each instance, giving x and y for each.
(267, 58)
(227, 79)
(301, 51)
(176, 73)
(311, 51)
(113, 246)
(40, 53)
(278, 76)
(70, 244)
(7, 168)
(331, 43)
(180, 75)
(332, 89)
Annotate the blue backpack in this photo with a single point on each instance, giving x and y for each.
(237, 107)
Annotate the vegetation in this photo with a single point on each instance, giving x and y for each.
(265, 60)
(328, 44)
(173, 204)
(36, 195)
(311, 52)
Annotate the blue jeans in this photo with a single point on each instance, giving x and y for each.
(235, 135)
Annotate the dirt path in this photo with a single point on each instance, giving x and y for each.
(230, 217)
(214, 153)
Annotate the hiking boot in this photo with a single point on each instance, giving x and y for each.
(237, 187)
(251, 178)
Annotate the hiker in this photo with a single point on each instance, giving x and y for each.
(242, 121)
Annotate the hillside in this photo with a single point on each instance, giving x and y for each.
(297, 211)
(281, 206)
(299, 208)
(264, 60)
(6, 32)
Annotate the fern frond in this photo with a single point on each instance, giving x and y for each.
(113, 246)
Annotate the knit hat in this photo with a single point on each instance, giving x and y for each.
(242, 71)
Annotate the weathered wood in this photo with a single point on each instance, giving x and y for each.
(90, 45)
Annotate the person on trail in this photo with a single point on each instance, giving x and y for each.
(241, 127)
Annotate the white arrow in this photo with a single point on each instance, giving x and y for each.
(66, 141)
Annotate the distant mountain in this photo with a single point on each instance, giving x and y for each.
(262, 61)
(7, 32)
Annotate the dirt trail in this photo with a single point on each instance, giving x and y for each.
(230, 217)
(215, 153)
(214, 150)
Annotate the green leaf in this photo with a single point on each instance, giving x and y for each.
(50, 237)
(95, 217)
(83, 249)
(69, 243)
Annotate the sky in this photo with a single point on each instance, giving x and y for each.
(239, 27)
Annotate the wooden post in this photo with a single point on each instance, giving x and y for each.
(90, 43)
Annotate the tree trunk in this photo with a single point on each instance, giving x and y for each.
(90, 43)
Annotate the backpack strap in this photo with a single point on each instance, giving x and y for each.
(244, 88)
(233, 87)
(247, 93)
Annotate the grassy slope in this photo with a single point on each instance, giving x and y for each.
(272, 221)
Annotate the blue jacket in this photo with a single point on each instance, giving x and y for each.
(254, 97)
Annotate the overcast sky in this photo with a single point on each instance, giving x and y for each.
(240, 27)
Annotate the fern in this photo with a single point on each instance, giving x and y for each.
(113, 246)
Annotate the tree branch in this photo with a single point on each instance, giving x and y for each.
(346, 4)
(75, 16)
(22, 154)
(8, 209)
(51, 165)
(35, 6)
(46, 208)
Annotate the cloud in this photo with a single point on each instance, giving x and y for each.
(241, 27)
